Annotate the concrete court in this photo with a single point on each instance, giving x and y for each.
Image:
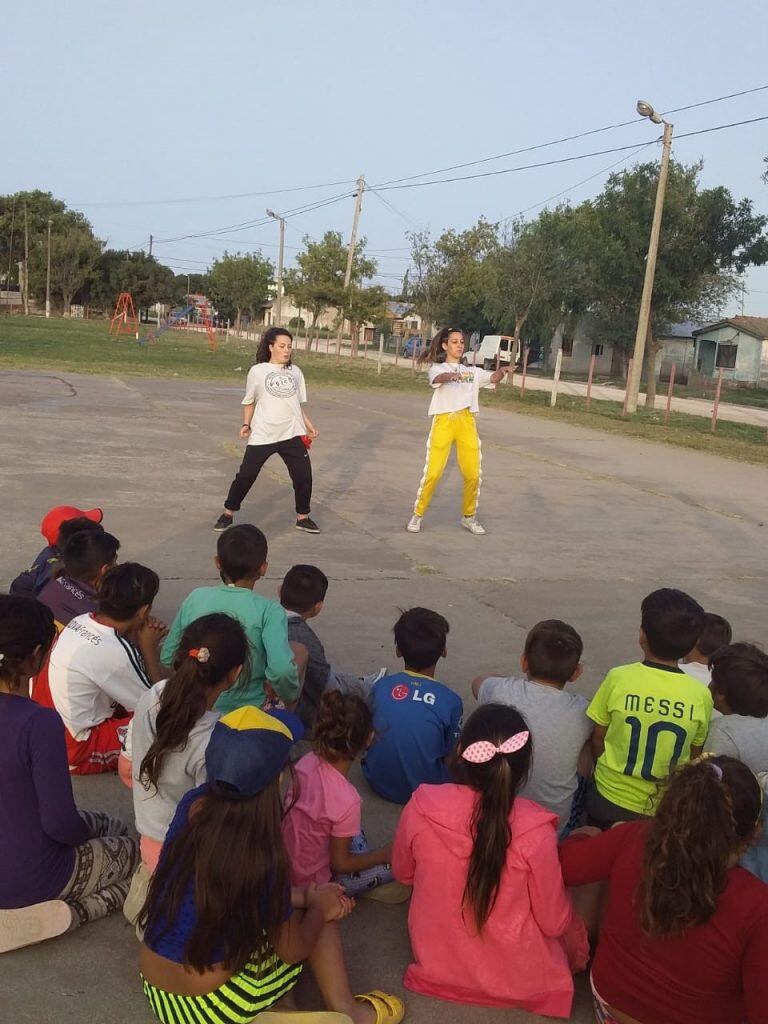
(581, 525)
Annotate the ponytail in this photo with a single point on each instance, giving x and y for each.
(497, 783)
(210, 648)
(435, 353)
(342, 727)
(709, 811)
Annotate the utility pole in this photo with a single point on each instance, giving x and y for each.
(353, 242)
(48, 275)
(26, 261)
(150, 244)
(633, 384)
(278, 317)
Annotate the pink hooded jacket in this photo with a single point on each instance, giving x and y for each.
(521, 959)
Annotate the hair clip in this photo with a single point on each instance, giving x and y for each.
(484, 751)
(716, 769)
(201, 654)
(2, 657)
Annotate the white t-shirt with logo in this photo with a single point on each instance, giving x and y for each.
(278, 392)
(457, 395)
(92, 670)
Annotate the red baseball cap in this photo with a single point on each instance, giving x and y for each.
(53, 519)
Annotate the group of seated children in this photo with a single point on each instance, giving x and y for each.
(246, 862)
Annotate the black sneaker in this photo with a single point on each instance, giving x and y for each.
(223, 523)
(307, 525)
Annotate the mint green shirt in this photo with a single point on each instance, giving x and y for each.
(266, 627)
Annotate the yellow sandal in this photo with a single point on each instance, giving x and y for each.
(389, 1009)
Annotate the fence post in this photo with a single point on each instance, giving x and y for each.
(525, 369)
(556, 378)
(670, 390)
(397, 348)
(381, 353)
(589, 379)
(413, 359)
(626, 387)
(717, 400)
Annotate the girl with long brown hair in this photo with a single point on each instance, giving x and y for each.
(173, 723)
(490, 921)
(684, 936)
(453, 410)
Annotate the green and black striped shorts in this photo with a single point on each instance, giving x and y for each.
(237, 1001)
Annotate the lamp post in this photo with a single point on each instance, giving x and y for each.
(48, 276)
(278, 317)
(633, 384)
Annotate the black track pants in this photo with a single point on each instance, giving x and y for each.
(296, 458)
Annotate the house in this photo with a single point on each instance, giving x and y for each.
(405, 323)
(579, 347)
(678, 346)
(737, 345)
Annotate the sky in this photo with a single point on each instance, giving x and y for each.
(144, 114)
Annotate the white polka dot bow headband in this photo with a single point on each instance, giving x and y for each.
(484, 751)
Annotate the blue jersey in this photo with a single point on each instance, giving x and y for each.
(416, 721)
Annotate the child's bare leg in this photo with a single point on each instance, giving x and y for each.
(330, 971)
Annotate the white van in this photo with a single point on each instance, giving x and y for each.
(491, 347)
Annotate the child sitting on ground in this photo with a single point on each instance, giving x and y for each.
(322, 827)
(57, 526)
(86, 556)
(649, 716)
(302, 594)
(490, 921)
(416, 720)
(241, 558)
(716, 633)
(96, 673)
(224, 934)
(58, 868)
(556, 717)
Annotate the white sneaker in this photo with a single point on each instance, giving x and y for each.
(414, 524)
(28, 925)
(471, 524)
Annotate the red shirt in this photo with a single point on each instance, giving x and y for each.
(713, 974)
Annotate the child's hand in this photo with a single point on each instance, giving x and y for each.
(329, 901)
(150, 633)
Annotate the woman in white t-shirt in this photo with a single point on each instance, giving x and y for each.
(453, 410)
(274, 423)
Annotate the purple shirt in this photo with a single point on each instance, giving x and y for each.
(39, 823)
(30, 582)
(67, 598)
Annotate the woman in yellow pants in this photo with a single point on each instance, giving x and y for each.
(453, 409)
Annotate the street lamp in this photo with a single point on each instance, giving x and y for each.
(48, 275)
(278, 317)
(646, 109)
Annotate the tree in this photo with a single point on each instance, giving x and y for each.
(317, 282)
(241, 282)
(120, 271)
(706, 239)
(365, 304)
(73, 257)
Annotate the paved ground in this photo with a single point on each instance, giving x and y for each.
(581, 526)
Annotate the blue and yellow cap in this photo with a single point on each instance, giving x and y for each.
(249, 748)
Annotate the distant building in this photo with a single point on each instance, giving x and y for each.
(405, 322)
(678, 347)
(579, 347)
(737, 345)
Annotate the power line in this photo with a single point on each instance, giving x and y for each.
(720, 127)
(211, 199)
(717, 99)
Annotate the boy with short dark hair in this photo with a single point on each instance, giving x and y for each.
(58, 525)
(716, 633)
(97, 673)
(241, 558)
(649, 716)
(739, 687)
(87, 555)
(416, 720)
(556, 717)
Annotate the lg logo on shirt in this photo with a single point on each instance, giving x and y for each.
(402, 692)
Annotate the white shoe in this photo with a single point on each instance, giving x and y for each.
(471, 524)
(414, 524)
(28, 925)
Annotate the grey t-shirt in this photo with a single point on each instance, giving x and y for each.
(181, 770)
(559, 726)
(739, 736)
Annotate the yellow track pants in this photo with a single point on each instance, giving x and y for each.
(449, 428)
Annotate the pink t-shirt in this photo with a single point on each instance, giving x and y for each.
(328, 805)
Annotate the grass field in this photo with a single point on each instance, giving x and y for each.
(33, 343)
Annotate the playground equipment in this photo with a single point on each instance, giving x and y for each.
(124, 319)
(179, 319)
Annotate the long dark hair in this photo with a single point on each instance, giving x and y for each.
(497, 783)
(269, 337)
(709, 811)
(342, 727)
(435, 353)
(25, 626)
(185, 695)
(231, 855)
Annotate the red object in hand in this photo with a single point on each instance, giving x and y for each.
(307, 441)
